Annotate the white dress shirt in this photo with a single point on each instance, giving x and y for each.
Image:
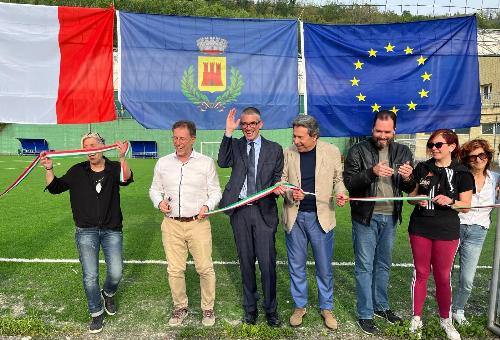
(485, 197)
(185, 186)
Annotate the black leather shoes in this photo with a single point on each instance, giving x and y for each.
(250, 318)
(273, 320)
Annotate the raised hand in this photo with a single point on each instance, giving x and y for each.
(45, 161)
(231, 123)
(123, 148)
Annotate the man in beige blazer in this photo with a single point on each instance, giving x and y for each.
(309, 215)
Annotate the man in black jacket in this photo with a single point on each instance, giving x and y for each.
(256, 163)
(94, 194)
(376, 167)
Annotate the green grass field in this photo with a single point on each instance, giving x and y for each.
(47, 299)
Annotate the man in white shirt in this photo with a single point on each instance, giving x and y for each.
(185, 187)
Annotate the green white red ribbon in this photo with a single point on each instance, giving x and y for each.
(476, 206)
(252, 198)
(269, 190)
(385, 199)
(63, 154)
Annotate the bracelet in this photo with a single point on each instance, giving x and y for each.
(52, 167)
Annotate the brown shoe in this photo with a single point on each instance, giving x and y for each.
(208, 318)
(296, 318)
(178, 315)
(329, 319)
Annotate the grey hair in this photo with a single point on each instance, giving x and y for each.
(94, 135)
(309, 122)
(251, 111)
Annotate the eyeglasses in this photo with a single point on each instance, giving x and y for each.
(472, 158)
(438, 145)
(251, 124)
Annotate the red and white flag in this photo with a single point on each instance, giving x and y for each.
(56, 64)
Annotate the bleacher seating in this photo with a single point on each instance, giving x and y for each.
(144, 149)
(32, 146)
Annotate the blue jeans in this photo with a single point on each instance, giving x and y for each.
(471, 242)
(307, 229)
(373, 258)
(88, 242)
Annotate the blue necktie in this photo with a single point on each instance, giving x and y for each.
(251, 170)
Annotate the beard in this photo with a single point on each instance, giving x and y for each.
(379, 145)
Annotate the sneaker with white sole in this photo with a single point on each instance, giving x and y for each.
(178, 316)
(208, 319)
(109, 303)
(447, 326)
(416, 324)
(96, 324)
(459, 318)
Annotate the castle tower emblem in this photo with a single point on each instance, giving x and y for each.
(211, 66)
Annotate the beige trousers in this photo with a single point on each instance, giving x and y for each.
(195, 237)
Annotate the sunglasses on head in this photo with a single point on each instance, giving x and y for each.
(472, 158)
(438, 145)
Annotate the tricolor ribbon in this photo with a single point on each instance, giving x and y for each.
(269, 190)
(476, 206)
(252, 198)
(66, 153)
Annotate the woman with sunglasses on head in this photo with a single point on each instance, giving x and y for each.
(434, 226)
(476, 155)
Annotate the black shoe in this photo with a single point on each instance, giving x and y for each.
(273, 320)
(109, 304)
(367, 326)
(96, 323)
(250, 318)
(389, 316)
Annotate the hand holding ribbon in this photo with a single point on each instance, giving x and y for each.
(45, 158)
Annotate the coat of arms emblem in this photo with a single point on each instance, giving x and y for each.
(212, 76)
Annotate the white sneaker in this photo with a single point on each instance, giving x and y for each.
(451, 332)
(416, 324)
(459, 317)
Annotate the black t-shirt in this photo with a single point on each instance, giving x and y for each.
(308, 183)
(434, 221)
(94, 196)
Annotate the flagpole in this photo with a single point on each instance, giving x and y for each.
(301, 24)
(119, 56)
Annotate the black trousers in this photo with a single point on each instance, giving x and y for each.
(255, 240)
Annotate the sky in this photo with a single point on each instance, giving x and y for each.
(426, 7)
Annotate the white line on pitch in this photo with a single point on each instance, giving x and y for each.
(163, 262)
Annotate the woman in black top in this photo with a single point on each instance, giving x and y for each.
(434, 226)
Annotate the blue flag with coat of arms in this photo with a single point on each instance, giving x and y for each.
(193, 68)
(426, 72)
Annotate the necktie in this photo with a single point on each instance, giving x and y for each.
(251, 170)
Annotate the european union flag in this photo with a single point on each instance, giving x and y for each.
(197, 68)
(426, 72)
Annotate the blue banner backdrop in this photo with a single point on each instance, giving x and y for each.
(193, 68)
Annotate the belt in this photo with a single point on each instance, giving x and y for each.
(185, 219)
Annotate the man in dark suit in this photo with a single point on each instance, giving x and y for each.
(256, 163)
